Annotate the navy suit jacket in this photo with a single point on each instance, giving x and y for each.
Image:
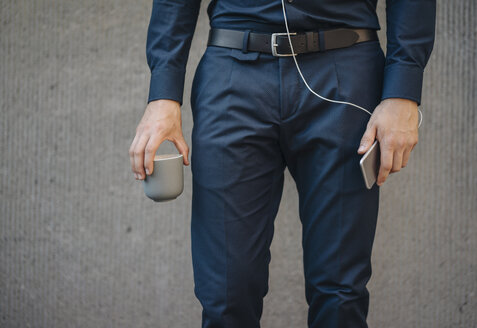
(410, 35)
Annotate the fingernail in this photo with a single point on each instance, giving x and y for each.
(361, 147)
(147, 171)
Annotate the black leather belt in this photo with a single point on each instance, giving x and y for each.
(278, 45)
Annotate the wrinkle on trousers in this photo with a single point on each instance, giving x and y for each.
(253, 117)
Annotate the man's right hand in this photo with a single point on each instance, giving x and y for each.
(161, 121)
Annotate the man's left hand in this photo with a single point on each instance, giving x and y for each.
(394, 123)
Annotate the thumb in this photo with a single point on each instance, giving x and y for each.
(367, 139)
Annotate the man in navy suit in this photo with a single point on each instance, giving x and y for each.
(253, 116)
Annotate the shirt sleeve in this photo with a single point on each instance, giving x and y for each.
(169, 38)
(410, 39)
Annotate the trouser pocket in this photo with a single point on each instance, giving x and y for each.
(360, 72)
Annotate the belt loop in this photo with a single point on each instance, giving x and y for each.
(245, 41)
(321, 40)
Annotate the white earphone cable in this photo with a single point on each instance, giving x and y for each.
(299, 71)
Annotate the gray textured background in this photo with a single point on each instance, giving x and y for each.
(80, 244)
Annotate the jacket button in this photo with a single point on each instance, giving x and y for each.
(290, 1)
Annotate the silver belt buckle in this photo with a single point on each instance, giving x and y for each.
(274, 44)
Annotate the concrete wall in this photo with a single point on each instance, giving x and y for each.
(80, 244)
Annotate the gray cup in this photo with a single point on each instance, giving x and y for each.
(167, 180)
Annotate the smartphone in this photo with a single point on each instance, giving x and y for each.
(369, 164)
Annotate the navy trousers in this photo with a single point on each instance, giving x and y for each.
(253, 116)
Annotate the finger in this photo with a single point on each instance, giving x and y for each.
(150, 151)
(386, 162)
(367, 139)
(131, 153)
(397, 161)
(139, 155)
(405, 156)
(182, 147)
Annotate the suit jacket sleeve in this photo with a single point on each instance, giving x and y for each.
(410, 39)
(169, 36)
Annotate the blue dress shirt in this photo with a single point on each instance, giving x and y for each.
(410, 35)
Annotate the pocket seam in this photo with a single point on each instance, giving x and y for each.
(244, 56)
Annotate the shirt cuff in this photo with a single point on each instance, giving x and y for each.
(166, 84)
(403, 81)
